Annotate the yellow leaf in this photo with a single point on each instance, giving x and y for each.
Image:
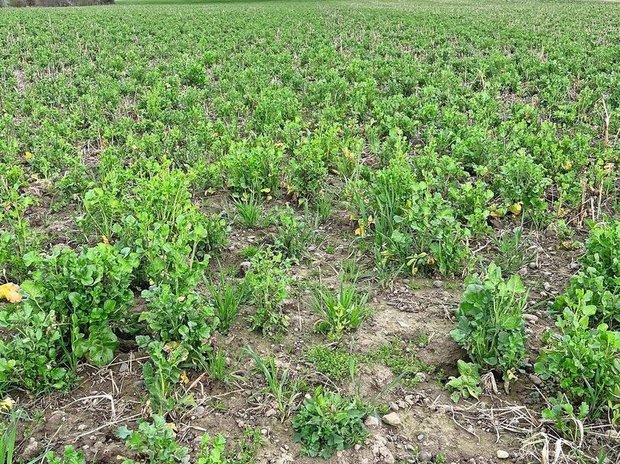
(10, 292)
(360, 230)
(27, 156)
(516, 208)
(7, 404)
(184, 378)
(105, 240)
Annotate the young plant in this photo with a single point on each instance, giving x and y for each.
(583, 361)
(340, 313)
(490, 322)
(162, 373)
(155, 441)
(280, 386)
(467, 384)
(184, 319)
(212, 450)
(249, 210)
(267, 281)
(83, 293)
(327, 423)
(293, 234)
(70, 456)
(227, 299)
(512, 254)
(600, 275)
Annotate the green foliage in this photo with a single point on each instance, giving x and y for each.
(227, 298)
(490, 322)
(600, 276)
(212, 450)
(512, 254)
(411, 227)
(8, 437)
(155, 441)
(253, 170)
(267, 282)
(331, 362)
(163, 372)
(340, 313)
(400, 357)
(327, 423)
(69, 456)
(293, 234)
(307, 170)
(73, 302)
(467, 384)
(584, 361)
(280, 385)
(184, 319)
(249, 210)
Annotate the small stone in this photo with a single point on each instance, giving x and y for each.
(523, 272)
(199, 411)
(271, 412)
(547, 286)
(358, 447)
(501, 454)
(530, 318)
(394, 406)
(124, 367)
(371, 422)
(425, 456)
(533, 265)
(535, 379)
(574, 266)
(420, 377)
(421, 437)
(31, 450)
(244, 267)
(437, 283)
(391, 419)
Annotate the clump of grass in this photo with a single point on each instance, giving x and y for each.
(341, 312)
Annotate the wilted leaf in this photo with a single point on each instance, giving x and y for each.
(10, 293)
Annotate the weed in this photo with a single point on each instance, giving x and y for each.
(340, 313)
(267, 282)
(155, 441)
(327, 423)
(467, 384)
(490, 322)
(280, 386)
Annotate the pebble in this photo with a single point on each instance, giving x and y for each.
(124, 367)
(501, 454)
(371, 421)
(535, 379)
(547, 286)
(437, 283)
(425, 456)
(533, 265)
(392, 419)
(271, 412)
(574, 266)
(245, 267)
(394, 406)
(421, 437)
(531, 318)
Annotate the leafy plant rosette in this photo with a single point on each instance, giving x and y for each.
(490, 322)
(327, 423)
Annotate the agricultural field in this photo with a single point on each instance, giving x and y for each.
(243, 232)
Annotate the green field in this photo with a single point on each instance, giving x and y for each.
(237, 232)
